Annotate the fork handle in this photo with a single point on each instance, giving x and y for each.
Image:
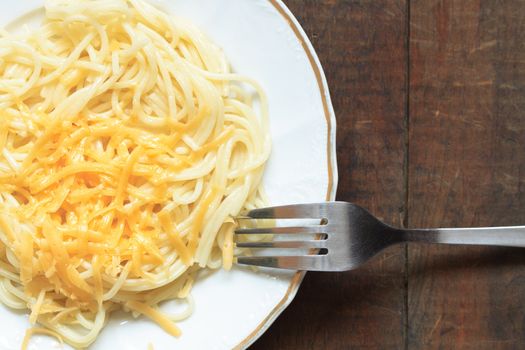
(507, 236)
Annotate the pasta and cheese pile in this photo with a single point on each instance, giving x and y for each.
(126, 147)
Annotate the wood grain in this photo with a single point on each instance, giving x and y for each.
(362, 47)
(466, 168)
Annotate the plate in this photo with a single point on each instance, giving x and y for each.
(263, 40)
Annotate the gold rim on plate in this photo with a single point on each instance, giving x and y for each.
(332, 166)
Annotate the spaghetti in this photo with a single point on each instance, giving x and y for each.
(126, 146)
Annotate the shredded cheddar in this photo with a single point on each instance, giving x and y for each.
(156, 316)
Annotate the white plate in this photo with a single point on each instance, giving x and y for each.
(263, 40)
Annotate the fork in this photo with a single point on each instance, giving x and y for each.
(347, 235)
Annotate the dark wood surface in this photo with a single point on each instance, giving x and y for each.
(466, 168)
(430, 101)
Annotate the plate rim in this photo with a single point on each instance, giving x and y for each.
(333, 178)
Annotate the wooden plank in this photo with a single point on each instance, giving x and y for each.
(466, 168)
(362, 47)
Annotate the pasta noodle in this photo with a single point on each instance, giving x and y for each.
(127, 146)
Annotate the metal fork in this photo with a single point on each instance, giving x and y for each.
(348, 235)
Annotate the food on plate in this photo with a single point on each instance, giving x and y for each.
(126, 147)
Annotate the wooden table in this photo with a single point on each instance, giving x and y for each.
(430, 103)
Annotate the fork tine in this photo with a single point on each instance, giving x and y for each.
(297, 211)
(291, 229)
(284, 244)
(305, 262)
